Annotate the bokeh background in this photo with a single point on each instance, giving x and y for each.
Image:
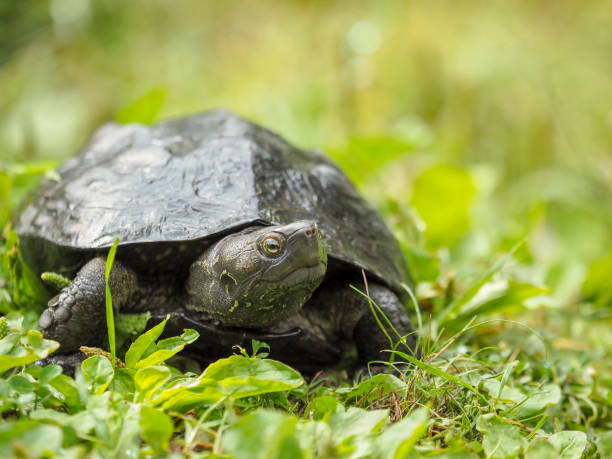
(473, 125)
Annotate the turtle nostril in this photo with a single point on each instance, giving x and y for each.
(312, 231)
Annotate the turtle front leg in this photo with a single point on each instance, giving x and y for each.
(77, 315)
(337, 313)
(369, 337)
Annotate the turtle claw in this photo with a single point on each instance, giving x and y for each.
(62, 314)
(46, 319)
(57, 312)
(53, 302)
(53, 320)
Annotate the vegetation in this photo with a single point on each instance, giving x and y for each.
(481, 130)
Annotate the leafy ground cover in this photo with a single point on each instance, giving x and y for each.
(481, 130)
(496, 378)
(506, 396)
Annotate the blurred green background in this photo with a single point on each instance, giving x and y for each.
(471, 125)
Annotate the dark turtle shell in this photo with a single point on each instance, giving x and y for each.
(161, 189)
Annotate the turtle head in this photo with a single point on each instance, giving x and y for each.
(259, 276)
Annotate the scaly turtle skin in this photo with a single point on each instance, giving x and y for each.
(227, 227)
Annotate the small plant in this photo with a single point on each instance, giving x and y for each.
(503, 369)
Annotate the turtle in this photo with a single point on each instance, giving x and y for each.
(227, 228)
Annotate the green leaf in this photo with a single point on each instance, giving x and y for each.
(129, 326)
(423, 266)
(82, 422)
(148, 380)
(7, 362)
(69, 389)
(17, 350)
(362, 155)
(569, 443)
(127, 443)
(604, 443)
(541, 448)
(356, 422)
(35, 342)
(9, 345)
(539, 399)
(442, 196)
(315, 439)
(262, 434)
(116, 427)
(512, 298)
(168, 347)
(245, 377)
(143, 343)
(156, 428)
(5, 197)
(188, 393)
(456, 306)
(123, 382)
(48, 373)
(527, 401)
(501, 439)
(21, 384)
(26, 438)
(377, 386)
(143, 110)
(44, 374)
(596, 285)
(398, 439)
(233, 377)
(98, 373)
(321, 408)
(260, 349)
(24, 288)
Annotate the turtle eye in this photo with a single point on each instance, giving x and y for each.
(271, 245)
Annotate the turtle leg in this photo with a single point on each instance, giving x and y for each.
(336, 311)
(374, 333)
(77, 315)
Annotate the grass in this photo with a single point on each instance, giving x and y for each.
(493, 388)
(481, 132)
(110, 317)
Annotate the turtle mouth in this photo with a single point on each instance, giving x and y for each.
(305, 273)
(301, 274)
(215, 327)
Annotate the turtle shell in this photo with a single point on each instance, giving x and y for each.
(165, 188)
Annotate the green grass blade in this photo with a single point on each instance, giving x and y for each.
(507, 372)
(375, 308)
(415, 303)
(110, 318)
(441, 374)
(456, 305)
